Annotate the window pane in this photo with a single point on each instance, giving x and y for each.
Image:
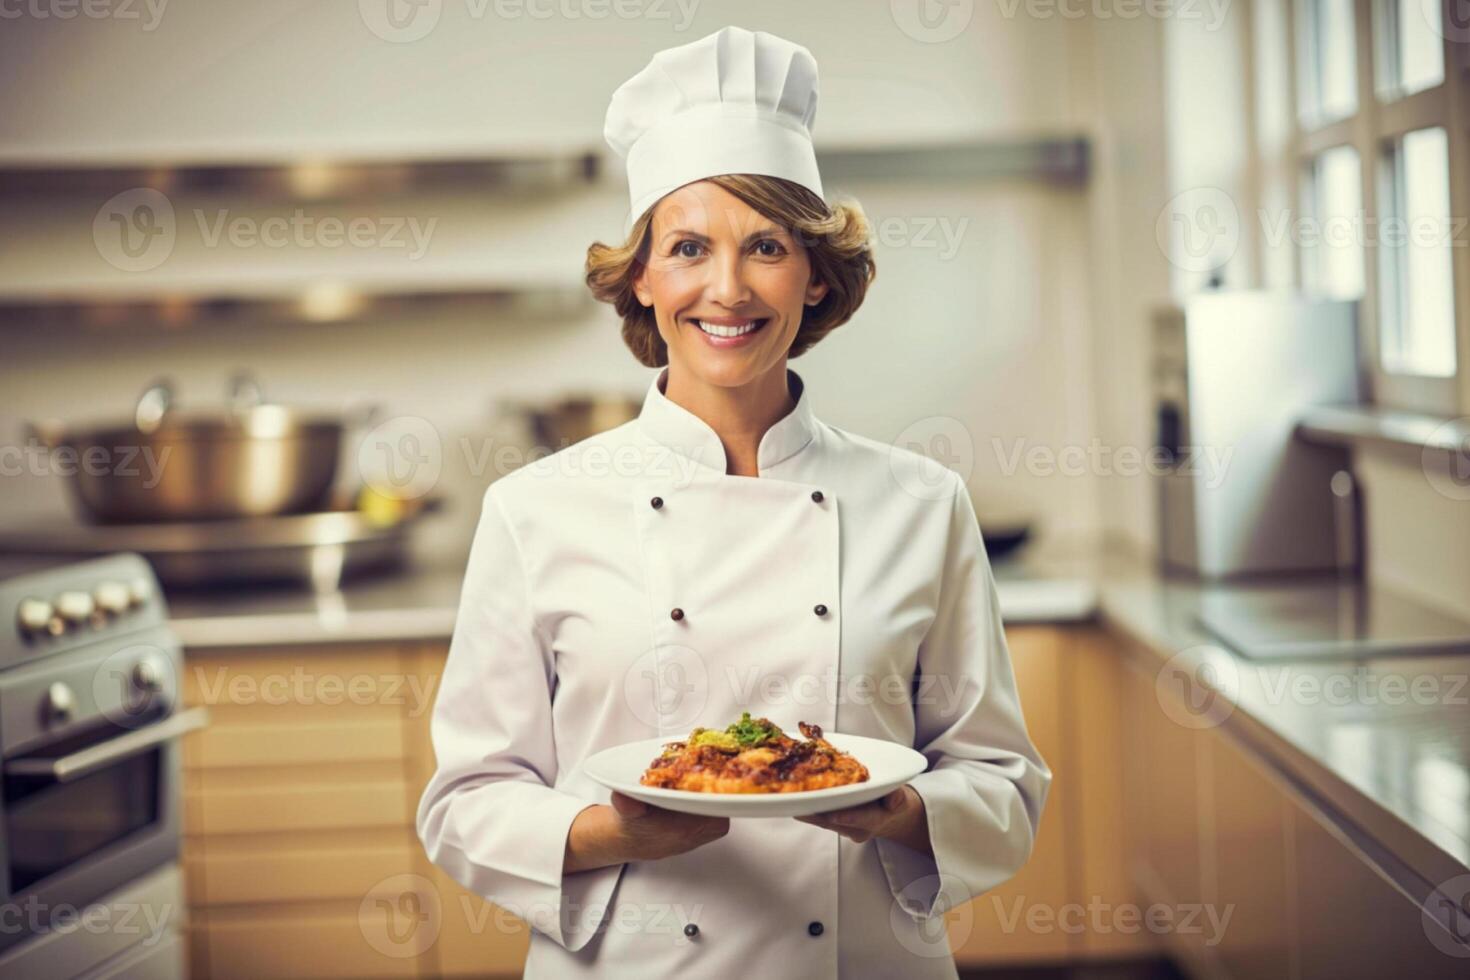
(1332, 240)
(1411, 46)
(1329, 59)
(1418, 330)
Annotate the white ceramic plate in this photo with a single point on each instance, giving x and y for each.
(890, 765)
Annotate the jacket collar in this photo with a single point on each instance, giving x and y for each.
(673, 425)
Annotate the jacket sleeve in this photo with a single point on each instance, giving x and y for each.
(986, 784)
(490, 816)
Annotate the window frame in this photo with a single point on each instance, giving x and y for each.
(1381, 118)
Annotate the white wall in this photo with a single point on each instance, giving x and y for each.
(981, 311)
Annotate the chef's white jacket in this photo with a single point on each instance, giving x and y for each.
(846, 586)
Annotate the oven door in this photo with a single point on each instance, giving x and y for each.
(89, 813)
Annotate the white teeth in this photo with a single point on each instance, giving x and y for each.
(716, 330)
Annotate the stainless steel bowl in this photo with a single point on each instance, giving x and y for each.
(247, 460)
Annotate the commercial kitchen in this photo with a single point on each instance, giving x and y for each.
(1179, 291)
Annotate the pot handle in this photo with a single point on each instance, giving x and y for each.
(153, 405)
(245, 392)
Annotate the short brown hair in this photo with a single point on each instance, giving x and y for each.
(837, 238)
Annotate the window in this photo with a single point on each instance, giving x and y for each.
(1410, 47)
(1332, 240)
(1329, 54)
(1417, 319)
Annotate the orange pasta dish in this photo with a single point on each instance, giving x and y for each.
(753, 756)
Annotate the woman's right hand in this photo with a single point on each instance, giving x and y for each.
(631, 830)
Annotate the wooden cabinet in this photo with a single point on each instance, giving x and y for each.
(1271, 884)
(1057, 908)
(300, 851)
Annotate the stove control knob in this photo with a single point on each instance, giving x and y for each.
(34, 616)
(75, 607)
(140, 590)
(112, 598)
(61, 704)
(148, 675)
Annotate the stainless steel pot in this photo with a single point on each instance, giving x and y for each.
(249, 459)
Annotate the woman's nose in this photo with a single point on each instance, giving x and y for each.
(727, 281)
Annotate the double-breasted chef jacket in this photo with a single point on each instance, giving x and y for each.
(627, 588)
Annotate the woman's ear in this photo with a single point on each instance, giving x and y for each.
(640, 286)
(816, 291)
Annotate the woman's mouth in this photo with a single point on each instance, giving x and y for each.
(727, 332)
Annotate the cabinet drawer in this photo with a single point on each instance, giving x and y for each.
(218, 810)
(297, 870)
(294, 743)
(382, 935)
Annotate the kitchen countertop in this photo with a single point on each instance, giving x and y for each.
(420, 604)
(1384, 740)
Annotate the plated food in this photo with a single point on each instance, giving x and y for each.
(753, 755)
(815, 768)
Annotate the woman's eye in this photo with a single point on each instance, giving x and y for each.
(687, 250)
(769, 248)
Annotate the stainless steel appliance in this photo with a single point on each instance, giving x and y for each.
(90, 724)
(1238, 493)
(248, 459)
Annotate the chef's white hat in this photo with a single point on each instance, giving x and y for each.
(734, 102)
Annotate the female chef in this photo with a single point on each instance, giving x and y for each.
(728, 551)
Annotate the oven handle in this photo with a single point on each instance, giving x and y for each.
(95, 757)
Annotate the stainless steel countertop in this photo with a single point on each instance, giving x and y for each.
(1382, 744)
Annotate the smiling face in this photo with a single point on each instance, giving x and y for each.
(727, 286)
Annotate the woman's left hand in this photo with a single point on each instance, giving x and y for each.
(899, 816)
